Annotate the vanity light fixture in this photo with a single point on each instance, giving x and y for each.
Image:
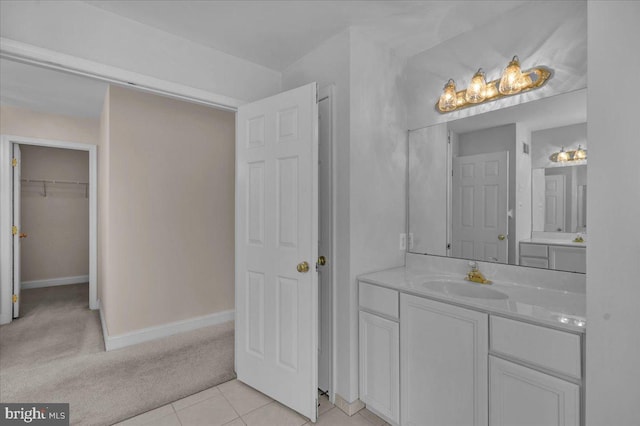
(448, 99)
(477, 90)
(566, 156)
(512, 81)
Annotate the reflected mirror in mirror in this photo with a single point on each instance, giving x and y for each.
(560, 199)
(489, 187)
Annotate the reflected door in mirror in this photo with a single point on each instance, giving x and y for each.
(480, 200)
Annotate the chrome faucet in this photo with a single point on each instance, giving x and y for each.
(474, 275)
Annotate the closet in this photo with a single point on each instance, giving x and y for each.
(54, 213)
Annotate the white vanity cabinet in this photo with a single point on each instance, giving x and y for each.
(524, 396)
(534, 374)
(379, 334)
(554, 256)
(425, 361)
(443, 362)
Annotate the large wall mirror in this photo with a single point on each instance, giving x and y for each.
(493, 186)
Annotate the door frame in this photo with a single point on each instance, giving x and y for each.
(6, 207)
(327, 94)
(50, 59)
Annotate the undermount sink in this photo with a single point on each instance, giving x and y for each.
(465, 289)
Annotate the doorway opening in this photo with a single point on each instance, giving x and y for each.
(51, 216)
(57, 190)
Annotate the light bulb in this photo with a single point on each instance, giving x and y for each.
(511, 80)
(448, 99)
(580, 154)
(477, 90)
(562, 156)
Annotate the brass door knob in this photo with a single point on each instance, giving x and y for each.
(501, 237)
(322, 260)
(303, 267)
(23, 235)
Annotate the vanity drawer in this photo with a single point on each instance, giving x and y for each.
(535, 250)
(535, 262)
(546, 347)
(379, 299)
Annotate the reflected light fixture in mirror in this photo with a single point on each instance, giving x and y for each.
(562, 156)
(512, 81)
(580, 154)
(567, 156)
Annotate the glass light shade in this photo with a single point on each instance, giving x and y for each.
(448, 99)
(477, 90)
(526, 81)
(562, 156)
(580, 154)
(511, 81)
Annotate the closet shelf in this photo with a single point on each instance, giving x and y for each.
(44, 183)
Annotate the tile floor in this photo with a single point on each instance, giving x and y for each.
(236, 404)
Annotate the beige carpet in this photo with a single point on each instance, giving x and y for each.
(54, 353)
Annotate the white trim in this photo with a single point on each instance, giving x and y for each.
(6, 285)
(103, 323)
(349, 408)
(156, 332)
(30, 54)
(53, 282)
(5, 217)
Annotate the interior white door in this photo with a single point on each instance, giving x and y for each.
(554, 200)
(16, 230)
(479, 212)
(277, 247)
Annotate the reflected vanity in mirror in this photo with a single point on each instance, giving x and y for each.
(506, 186)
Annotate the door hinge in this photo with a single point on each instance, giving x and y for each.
(14, 230)
(15, 298)
(14, 162)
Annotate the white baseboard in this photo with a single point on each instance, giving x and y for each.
(25, 285)
(151, 333)
(349, 408)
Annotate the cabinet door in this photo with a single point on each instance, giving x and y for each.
(520, 396)
(380, 365)
(572, 259)
(443, 363)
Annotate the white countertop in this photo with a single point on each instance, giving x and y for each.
(560, 309)
(555, 242)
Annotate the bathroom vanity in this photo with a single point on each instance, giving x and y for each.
(554, 254)
(435, 349)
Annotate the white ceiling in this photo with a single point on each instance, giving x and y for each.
(277, 33)
(45, 90)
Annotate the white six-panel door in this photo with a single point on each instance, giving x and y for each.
(277, 230)
(480, 202)
(17, 163)
(554, 200)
